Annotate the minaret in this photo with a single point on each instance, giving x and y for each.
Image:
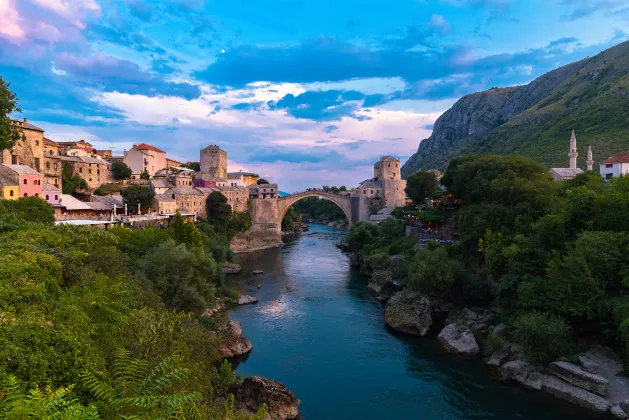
(590, 161)
(573, 151)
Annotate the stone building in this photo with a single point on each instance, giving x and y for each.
(164, 204)
(387, 184)
(263, 191)
(188, 199)
(94, 171)
(28, 151)
(143, 157)
(214, 162)
(208, 181)
(236, 197)
(52, 169)
(29, 181)
(242, 179)
(562, 174)
(52, 148)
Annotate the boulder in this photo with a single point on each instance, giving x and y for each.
(209, 312)
(579, 396)
(233, 343)
(389, 289)
(578, 377)
(253, 391)
(618, 412)
(247, 300)
(624, 405)
(229, 268)
(458, 339)
(523, 373)
(498, 357)
(256, 272)
(408, 312)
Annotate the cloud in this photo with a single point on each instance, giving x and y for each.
(74, 11)
(585, 8)
(321, 105)
(10, 20)
(439, 24)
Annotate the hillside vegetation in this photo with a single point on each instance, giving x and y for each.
(590, 96)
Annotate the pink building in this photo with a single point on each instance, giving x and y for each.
(51, 194)
(29, 180)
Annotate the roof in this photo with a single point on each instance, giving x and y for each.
(50, 142)
(83, 159)
(85, 222)
(185, 191)
(71, 203)
(213, 146)
(22, 169)
(230, 188)
(164, 197)
(109, 200)
(621, 158)
(388, 157)
(206, 190)
(144, 146)
(97, 205)
(370, 183)
(240, 173)
(47, 186)
(161, 183)
(566, 172)
(25, 124)
(379, 217)
(8, 181)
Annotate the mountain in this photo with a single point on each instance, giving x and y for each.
(590, 96)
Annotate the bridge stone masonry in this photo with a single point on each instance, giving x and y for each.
(267, 208)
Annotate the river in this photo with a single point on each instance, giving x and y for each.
(318, 330)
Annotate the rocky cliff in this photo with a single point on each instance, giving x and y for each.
(535, 120)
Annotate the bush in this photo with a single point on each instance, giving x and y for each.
(120, 170)
(433, 272)
(544, 337)
(29, 209)
(360, 235)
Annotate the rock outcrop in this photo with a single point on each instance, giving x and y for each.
(229, 268)
(408, 312)
(458, 339)
(253, 391)
(233, 343)
(247, 300)
(574, 394)
(578, 377)
(523, 373)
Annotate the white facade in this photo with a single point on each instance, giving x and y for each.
(614, 170)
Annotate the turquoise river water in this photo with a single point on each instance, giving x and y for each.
(318, 330)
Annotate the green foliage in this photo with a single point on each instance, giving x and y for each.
(120, 170)
(262, 181)
(145, 175)
(224, 378)
(71, 182)
(421, 185)
(320, 209)
(240, 222)
(543, 337)
(185, 279)
(137, 194)
(218, 211)
(31, 209)
(433, 272)
(291, 221)
(360, 235)
(195, 166)
(108, 189)
(185, 232)
(9, 132)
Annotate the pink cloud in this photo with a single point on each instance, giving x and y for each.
(9, 21)
(74, 11)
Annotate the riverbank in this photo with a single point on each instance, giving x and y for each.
(318, 330)
(594, 381)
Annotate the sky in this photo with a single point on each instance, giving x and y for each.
(304, 92)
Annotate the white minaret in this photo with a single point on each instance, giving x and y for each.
(590, 161)
(573, 151)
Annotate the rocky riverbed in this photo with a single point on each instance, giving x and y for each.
(596, 382)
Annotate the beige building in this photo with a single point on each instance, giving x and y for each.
(94, 171)
(214, 162)
(52, 148)
(28, 151)
(384, 190)
(236, 197)
(52, 169)
(164, 204)
(242, 179)
(143, 157)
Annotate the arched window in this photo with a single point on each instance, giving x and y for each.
(11, 193)
(36, 194)
(56, 197)
(47, 197)
(25, 181)
(173, 196)
(25, 195)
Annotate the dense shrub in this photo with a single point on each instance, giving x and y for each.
(544, 337)
(433, 272)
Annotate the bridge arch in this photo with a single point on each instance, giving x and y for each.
(342, 201)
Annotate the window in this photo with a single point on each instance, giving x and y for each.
(25, 195)
(47, 165)
(81, 170)
(372, 191)
(89, 171)
(14, 159)
(609, 176)
(25, 182)
(11, 193)
(609, 165)
(98, 171)
(36, 142)
(173, 196)
(47, 197)
(54, 166)
(56, 197)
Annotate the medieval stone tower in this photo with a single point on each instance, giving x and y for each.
(387, 171)
(573, 151)
(214, 162)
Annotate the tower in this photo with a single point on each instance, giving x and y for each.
(590, 161)
(573, 151)
(214, 162)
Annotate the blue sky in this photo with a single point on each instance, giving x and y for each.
(304, 92)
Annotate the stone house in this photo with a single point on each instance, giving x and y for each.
(52, 169)
(72, 209)
(236, 197)
(164, 204)
(263, 191)
(208, 181)
(27, 178)
(188, 200)
(143, 157)
(28, 151)
(52, 148)
(160, 185)
(94, 171)
(242, 179)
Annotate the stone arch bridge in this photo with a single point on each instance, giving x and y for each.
(267, 214)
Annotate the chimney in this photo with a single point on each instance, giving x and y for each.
(25, 120)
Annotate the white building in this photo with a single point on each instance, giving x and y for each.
(615, 166)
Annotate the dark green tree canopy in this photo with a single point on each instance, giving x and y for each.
(421, 185)
(262, 181)
(217, 210)
(135, 194)
(9, 132)
(145, 175)
(120, 170)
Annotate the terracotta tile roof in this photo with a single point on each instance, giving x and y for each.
(48, 141)
(144, 146)
(621, 158)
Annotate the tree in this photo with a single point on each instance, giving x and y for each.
(543, 336)
(217, 210)
(145, 175)
(433, 272)
(195, 166)
(30, 209)
(421, 185)
(185, 232)
(262, 181)
(71, 182)
(10, 133)
(138, 194)
(120, 170)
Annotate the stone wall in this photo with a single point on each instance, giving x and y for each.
(52, 168)
(394, 195)
(213, 162)
(260, 236)
(29, 152)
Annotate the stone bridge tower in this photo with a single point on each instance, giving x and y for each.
(214, 162)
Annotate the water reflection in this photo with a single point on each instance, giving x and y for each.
(318, 330)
